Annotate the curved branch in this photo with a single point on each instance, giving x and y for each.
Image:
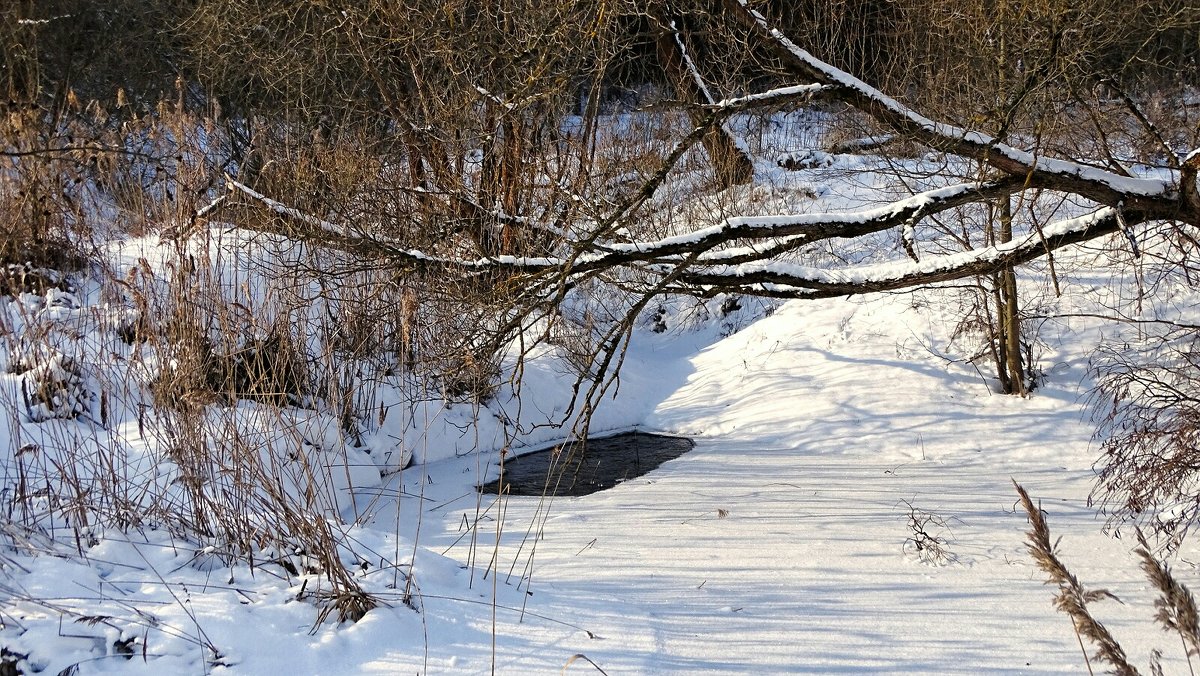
(1157, 197)
(690, 259)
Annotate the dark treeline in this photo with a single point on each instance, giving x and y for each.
(347, 57)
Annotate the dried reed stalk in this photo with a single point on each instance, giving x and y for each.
(1072, 598)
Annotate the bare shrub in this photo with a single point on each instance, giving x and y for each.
(42, 210)
(195, 370)
(455, 349)
(1147, 401)
(930, 537)
(578, 342)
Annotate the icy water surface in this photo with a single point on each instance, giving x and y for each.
(581, 469)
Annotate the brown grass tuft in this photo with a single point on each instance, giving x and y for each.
(1072, 598)
(1176, 605)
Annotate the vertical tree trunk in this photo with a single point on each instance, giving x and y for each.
(1008, 320)
(1008, 311)
(999, 344)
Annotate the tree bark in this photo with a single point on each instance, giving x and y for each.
(1009, 319)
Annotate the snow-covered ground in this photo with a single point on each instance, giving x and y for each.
(835, 441)
(780, 544)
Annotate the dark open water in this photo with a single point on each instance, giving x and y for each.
(580, 469)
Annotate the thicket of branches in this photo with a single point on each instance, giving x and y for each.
(447, 174)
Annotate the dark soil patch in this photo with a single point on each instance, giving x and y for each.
(582, 469)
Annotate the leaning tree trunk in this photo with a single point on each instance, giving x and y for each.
(732, 165)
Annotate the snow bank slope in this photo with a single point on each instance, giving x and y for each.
(782, 544)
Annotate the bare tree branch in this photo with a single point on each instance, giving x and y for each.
(1160, 198)
(793, 281)
(744, 253)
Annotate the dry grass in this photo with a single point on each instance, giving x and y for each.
(250, 367)
(1175, 606)
(1072, 597)
(180, 358)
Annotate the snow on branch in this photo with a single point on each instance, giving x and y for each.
(1105, 187)
(784, 279)
(774, 97)
(708, 260)
(813, 227)
(692, 262)
(323, 233)
(688, 64)
(39, 22)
